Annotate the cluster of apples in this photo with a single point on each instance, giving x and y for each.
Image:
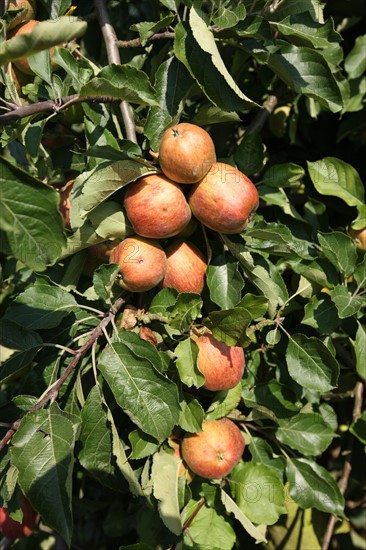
(192, 186)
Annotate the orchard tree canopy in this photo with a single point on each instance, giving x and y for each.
(169, 379)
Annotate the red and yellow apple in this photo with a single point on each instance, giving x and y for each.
(156, 207)
(359, 237)
(14, 529)
(215, 451)
(142, 263)
(28, 11)
(186, 153)
(225, 200)
(186, 267)
(221, 365)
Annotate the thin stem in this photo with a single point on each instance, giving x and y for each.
(136, 42)
(261, 118)
(347, 468)
(52, 392)
(50, 105)
(110, 40)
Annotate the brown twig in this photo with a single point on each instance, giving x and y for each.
(110, 40)
(52, 393)
(136, 42)
(21, 111)
(347, 468)
(261, 118)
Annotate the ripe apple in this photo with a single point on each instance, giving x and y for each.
(22, 63)
(224, 200)
(186, 153)
(142, 263)
(359, 238)
(156, 207)
(186, 267)
(13, 529)
(215, 451)
(28, 12)
(221, 365)
(64, 204)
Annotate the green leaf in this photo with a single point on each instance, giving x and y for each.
(41, 307)
(307, 433)
(359, 273)
(195, 47)
(283, 175)
(103, 280)
(233, 508)
(358, 428)
(312, 486)
(224, 282)
(304, 31)
(121, 82)
(311, 364)
(148, 397)
(192, 414)
(226, 18)
(306, 71)
(173, 83)
(208, 529)
(355, 62)
(42, 37)
(96, 441)
(278, 239)
(92, 188)
(346, 304)
(224, 402)
(18, 347)
(258, 492)
(186, 361)
(321, 314)
(146, 29)
(256, 273)
(339, 249)
(290, 7)
(186, 309)
(334, 177)
(29, 216)
(276, 397)
(360, 350)
(249, 154)
(256, 305)
(165, 470)
(42, 451)
(143, 445)
(229, 325)
(262, 453)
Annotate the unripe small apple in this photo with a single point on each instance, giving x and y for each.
(156, 207)
(186, 153)
(215, 451)
(224, 200)
(22, 63)
(359, 238)
(221, 365)
(28, 11)
(13, 529)
(142, 263)
(186, 267)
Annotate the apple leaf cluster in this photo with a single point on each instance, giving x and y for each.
(101, 393)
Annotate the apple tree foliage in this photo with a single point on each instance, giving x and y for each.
(87, 406)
